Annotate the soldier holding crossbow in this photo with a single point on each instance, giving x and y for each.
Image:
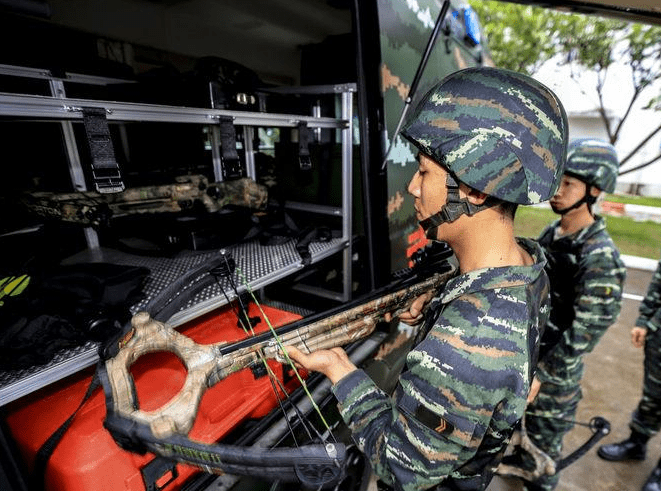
(488, 140)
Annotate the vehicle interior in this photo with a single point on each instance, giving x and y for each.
(175, 100)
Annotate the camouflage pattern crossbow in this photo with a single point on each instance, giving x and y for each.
(93, 209)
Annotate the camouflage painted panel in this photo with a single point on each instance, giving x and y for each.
(405, 30)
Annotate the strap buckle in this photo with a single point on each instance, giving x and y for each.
(105, 169)
(304, 135)
(108, 181)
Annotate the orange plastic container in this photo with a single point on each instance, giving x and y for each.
(87, 457)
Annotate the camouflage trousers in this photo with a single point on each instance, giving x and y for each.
(646, 419)
(548, 419)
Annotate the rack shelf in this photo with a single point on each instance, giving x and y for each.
(35, 106)
(260, 265)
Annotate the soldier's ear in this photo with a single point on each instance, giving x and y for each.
(472, 195)
(595, 191)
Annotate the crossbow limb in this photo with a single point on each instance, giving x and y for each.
(164, 431)
(544, 464)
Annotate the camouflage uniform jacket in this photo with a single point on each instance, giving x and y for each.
(650, 308)
(464, 387)
(587, 277)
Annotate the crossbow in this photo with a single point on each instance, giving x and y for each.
(164, 432)
(544, 465)
(90, 208)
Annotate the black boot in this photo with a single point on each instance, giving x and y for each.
(632, 448)
(653, 482)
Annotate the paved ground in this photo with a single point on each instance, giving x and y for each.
(611, 388)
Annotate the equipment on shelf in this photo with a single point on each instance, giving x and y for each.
(64, 308)
(187, 193)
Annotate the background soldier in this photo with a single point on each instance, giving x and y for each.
(646, 419)
(488, 140)
(587, 276)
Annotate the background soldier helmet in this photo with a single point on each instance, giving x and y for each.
(594, 162)
(495, 130)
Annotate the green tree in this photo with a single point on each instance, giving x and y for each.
(523, 37)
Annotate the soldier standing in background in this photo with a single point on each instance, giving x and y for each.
(488, 140)
(587, 277)
(646, 419)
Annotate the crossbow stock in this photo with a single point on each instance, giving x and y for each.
(94, 209)
(164, 431)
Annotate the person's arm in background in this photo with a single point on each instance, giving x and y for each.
(649, 309)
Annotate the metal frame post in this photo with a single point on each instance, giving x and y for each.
(347, 190)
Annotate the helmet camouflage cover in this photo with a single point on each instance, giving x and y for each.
(497, 131)
(594, 162)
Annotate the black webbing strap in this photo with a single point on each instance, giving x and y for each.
(105, 170)
(304, 135)
(230, 162)
(308, 235)
(46, 450)
(454, 207)
(159, 473)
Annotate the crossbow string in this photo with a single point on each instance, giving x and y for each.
(247, 323)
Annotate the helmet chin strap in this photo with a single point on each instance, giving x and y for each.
(453, 208)
(587, 198)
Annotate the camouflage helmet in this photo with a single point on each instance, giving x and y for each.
(593, 161)
(497, 131)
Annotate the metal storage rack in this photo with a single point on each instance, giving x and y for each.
(259, 265)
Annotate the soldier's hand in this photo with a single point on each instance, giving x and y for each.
(534, 389)
(334, 363)
(415, 313)
(638, 336)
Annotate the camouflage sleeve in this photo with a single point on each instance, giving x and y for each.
(650, 308)
(596, 308)
(458, 393)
